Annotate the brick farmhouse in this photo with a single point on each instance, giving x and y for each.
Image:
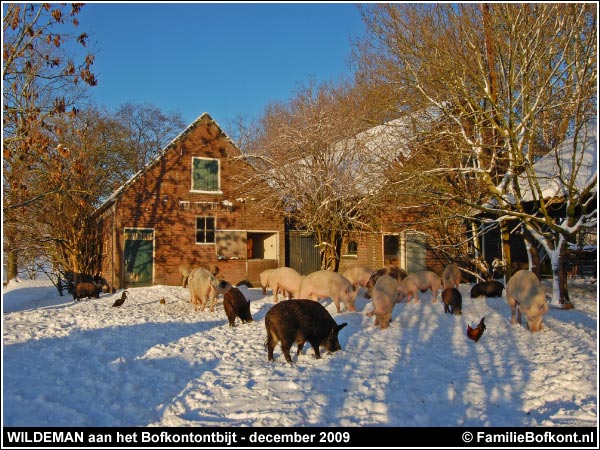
(185, 207)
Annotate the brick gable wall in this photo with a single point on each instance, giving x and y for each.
(154, 199)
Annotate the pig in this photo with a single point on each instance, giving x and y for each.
(263, 278)
(72, 279)
(525, 295)
(452, 301)
(86, 290)
(384, 299)
(236, 305)
(184, 271)
(488, 288)
(204, 288)
(451, 276)
(358, 275)
(419, 281)
(214, 269)
(324, 284)
(284, 279)
(105, 286)
(301, 321)
(393, 271)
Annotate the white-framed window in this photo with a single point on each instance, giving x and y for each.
(205, 229)
(350, 250)
(206, 175)
(243, 244)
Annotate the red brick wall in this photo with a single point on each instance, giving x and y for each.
(370, 245)
(369, 251)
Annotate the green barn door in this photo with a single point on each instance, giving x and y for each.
(138, 257)
(303, 254)
(416, 251)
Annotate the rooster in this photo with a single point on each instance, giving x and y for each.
(121, 300)
(476, 333)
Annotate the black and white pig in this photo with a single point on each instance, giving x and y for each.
(301, 321)
(236, 305)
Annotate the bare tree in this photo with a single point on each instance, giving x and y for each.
(146, 130)
(309, 164)
(511, 83)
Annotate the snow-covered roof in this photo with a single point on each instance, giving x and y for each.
(555, 169)
(392, 138)
(370, 152)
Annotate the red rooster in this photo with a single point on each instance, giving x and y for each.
(476, 333)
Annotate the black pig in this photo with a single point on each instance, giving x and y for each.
(487, 288)
(89, 290)
(452, 301)
(301, 321)
(236, 305)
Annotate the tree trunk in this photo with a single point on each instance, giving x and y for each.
(12, 265)
(560, 289)
(477, 259)
(330, 250)
(533, 253)
(338, 252)
(563, 287)
(505, 236)
(561, 275)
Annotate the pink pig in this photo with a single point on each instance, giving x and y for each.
(419, 281)
(263, 278)
(204, 289)
(525, 295)
(451, 276)
(384, 299)
(324, 284)
(284, 279)
(358, 275)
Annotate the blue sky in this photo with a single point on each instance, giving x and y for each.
(227, 59)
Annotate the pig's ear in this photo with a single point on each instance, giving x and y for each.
(339, 327)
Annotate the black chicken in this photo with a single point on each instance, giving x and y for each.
(476, 333)
(120, 301)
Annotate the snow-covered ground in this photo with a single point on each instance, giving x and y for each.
(148, 364)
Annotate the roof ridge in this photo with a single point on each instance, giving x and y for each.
(159, 155)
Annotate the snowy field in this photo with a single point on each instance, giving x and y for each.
(148, 364)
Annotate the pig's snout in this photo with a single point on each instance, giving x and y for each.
(333, 347)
